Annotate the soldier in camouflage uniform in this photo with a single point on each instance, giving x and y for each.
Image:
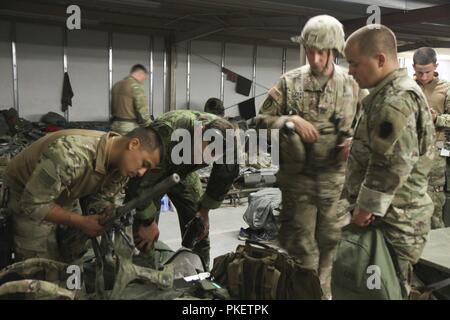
(393, 148)
(187, 195)
(46, 179)
(129, 105)
(320, 99)
(437, 92)
(215, 106)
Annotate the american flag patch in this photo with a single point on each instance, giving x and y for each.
(275, 94)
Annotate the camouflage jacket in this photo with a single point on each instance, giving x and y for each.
(392, 153)
(437, 93)
(222, 175)
(129, 102)
(62, 167)
(331, 109)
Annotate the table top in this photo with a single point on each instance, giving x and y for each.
(437, 250)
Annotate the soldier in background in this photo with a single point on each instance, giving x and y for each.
(47, 179)
(187, 196)
(320, 99)
(393, 148)
(215, 106)
(129, 106)
(437, 92)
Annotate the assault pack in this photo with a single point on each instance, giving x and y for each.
(259, 272)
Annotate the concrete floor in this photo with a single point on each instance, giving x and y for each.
(225, 223)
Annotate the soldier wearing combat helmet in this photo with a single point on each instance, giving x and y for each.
(319, 102)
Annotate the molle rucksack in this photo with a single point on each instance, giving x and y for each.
(259, 272)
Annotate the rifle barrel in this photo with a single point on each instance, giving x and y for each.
(146, 198)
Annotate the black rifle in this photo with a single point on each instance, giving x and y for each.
(120, 217)
(193, 230)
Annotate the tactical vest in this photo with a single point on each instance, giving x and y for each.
(296, 156)
(256, 271)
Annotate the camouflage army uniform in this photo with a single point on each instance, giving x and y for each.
(390, 159)
(129, 106)
(311, 177)
(437, 93)
(59, 168)
(187, 195)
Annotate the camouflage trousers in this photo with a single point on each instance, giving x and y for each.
(123, 127)
(185, 196)
(408, 249)
(436, 185)
(32, 238)
(309, 228)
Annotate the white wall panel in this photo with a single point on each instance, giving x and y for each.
(87, 52)
(180, 75)
(40, 70)
(6, 79)
(128, 50)
(292, 58)
(268, 71)
(158, 76)
(205, 75)
(238, 58)
(444, 69)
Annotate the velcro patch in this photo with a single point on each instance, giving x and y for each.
(46, 179)
(385, 130)
(390, 125)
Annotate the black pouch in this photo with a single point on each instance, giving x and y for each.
(6, 248)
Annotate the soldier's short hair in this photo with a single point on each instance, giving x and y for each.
(149, 138)
(373, 39)
(424, 56)
(138, 67)
(215, 106)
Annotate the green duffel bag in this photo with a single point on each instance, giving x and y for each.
(363, 267)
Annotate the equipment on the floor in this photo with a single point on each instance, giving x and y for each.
(257, 271)
(6, 251)
(115, 219)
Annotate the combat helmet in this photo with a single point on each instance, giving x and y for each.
(322, 32)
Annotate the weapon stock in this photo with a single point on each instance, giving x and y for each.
(193, 230)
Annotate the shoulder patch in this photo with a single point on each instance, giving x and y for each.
(389, 125)
(275, 94)
(385, 129)
(46, 179)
